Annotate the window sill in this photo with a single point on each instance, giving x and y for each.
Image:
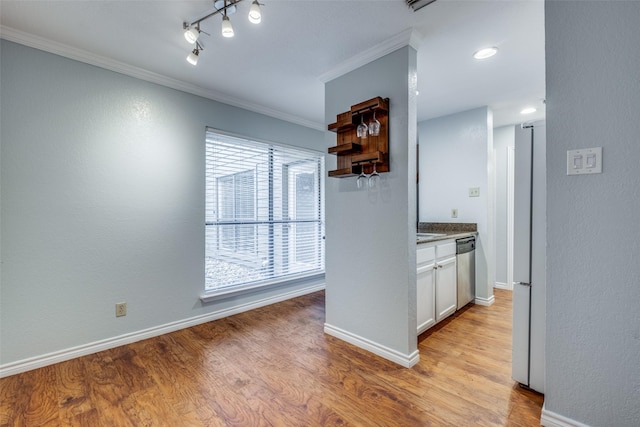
(215, 295)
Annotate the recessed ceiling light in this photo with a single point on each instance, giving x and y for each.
(485, 53)
(528, 110)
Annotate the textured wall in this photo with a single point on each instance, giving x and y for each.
(103, 201)
(370, 247)
(593, 273)
(454, 156)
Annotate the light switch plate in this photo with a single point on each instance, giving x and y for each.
(474, 192)
(584, 161)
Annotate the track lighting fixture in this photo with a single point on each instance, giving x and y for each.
(227, 29)
(193, 57)
(225, 8)
(255, 16)
(191, 34)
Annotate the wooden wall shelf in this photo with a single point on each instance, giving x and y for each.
(342, 173)
(358, 154)
(348, 148)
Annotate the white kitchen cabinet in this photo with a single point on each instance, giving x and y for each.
(426, 314)
(436, 282)
(446, 290)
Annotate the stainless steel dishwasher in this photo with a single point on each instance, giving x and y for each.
(466, 267)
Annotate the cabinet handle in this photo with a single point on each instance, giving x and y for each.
(522, 283)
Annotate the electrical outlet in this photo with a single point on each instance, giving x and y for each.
(121, 309)
(454, 213)
(474, 192)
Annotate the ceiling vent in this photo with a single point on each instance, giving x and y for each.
(419, 4)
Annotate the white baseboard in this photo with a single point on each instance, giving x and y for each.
(94, 347)
(501, 285)
(551, 419)
(485, 301)
(406, 360)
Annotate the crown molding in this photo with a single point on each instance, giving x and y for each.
(60, 49)
(409, 37)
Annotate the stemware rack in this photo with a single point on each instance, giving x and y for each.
(355, 154)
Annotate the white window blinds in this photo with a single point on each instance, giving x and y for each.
(264, 212)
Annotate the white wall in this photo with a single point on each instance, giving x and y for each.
(503, 139)
(103, 201)
(455, 156)
(593, 237)
(370, 246)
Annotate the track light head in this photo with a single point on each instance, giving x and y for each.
(191, 34)
(193, 57)
(227, 29)
(255, 16)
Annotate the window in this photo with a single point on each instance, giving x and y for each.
(264, 213)
(236, 201)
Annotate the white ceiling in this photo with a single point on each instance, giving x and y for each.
(278, 66)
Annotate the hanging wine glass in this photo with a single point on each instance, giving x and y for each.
(374, 126)
(374, 178)
(362, 129)
(362, 178)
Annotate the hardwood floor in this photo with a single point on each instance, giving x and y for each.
(274, 366)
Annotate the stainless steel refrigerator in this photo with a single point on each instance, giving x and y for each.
(529, 254)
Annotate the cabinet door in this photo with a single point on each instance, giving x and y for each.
(446, 288)
(425, 302)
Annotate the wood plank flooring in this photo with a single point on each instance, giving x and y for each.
(274, 366)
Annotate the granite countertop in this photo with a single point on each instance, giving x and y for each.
(447, 230)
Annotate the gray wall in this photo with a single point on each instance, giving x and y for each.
(103, 201)
(593, 238)
(454, 156)
(503, 138)
(370, 246)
